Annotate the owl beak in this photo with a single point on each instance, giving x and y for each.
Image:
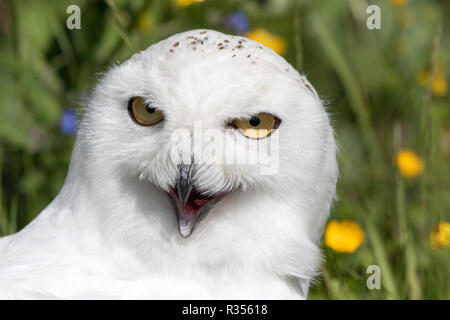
(190, 205)
(185, 183)
(185, 225)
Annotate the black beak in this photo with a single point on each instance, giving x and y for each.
(185, 183)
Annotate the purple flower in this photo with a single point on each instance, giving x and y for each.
(68, 122)
(238, 22)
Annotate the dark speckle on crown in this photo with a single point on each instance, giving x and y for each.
(205, 42)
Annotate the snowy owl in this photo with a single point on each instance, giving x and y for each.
(148, 211)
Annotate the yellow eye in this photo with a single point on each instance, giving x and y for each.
(258, 126)
(143, 113)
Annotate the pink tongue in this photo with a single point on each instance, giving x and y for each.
(193, 207)
(200, 202)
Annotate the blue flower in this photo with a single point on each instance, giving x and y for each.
(238, 22)
(68, 122)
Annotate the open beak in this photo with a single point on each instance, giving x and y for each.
(190, 205)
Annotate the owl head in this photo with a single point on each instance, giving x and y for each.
(219, 130)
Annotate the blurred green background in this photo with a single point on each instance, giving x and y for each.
(385, 89)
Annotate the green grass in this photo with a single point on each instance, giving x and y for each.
(367, 78)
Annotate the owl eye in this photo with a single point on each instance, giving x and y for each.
(143, 113)
(258, 126)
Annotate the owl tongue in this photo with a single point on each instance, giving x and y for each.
(201, 202)
(194, 203)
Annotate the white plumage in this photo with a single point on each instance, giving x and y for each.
(112, 233)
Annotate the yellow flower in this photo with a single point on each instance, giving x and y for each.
(345, 236)
(399, 2)
(145, 23)
(186, 3)
(440, 236)
(276, 43)
(439, 85)
(409, 164)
